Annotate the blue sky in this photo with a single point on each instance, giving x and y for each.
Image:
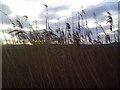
(61, 9)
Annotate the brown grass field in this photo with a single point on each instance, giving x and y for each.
(61, 66)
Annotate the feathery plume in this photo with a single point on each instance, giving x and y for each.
(67, 26)
(19, 24)
(26, 17)
(45, 5)
(109, 13)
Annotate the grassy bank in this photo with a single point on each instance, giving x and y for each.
(57, 66)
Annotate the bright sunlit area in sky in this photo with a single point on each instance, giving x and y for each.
(62, 9)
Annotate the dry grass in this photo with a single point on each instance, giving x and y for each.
(60, 66)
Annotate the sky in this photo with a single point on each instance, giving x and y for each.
(62, 9)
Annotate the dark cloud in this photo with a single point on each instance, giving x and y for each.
(100, 9)
(53, 11)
